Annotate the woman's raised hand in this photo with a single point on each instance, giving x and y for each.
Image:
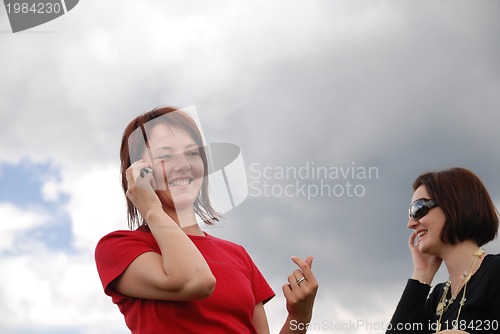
(424, 266)
(141, 188)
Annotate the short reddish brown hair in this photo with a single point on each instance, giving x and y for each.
(134, 141)
(469, 210)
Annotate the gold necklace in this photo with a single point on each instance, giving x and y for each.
(444, 303)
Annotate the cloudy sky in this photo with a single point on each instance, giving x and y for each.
(373, 92)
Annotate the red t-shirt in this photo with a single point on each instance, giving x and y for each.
(240, 286)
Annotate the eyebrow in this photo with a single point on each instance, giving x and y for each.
(190, 146)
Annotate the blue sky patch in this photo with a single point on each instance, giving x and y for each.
(21, 185)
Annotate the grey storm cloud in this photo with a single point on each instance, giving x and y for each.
(405, 87)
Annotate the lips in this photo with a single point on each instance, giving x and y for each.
(180, 182)
(420, 234)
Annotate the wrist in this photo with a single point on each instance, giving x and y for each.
(302, 318)
(424, 278)
(295, 325)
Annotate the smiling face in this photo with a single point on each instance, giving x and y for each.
(177, 166)
(428, 227)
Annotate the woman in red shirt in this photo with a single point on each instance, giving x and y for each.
(168, 276)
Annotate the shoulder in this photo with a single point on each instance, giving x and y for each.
(489, 271)
(124, 239)
(491, 263)
(126, 234)
(493, 258)
(487, 281)
(116, 250)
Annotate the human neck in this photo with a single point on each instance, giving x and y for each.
(458, 259)
(186, 219)
(193, 230)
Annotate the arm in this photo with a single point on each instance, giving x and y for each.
(410, 315)
(180, 272)
(299, 297)
(259, 319)
(412, 308)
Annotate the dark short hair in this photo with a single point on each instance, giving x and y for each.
(135, 140)
(469, 210)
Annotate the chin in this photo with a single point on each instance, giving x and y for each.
(424, 249)
(183, 203)
(428, 250)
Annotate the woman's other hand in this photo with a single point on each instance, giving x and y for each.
(300, 291)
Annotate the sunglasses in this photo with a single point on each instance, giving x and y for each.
(420, 207)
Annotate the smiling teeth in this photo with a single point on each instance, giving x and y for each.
(182, 182)
(419, 236)
(421, 233)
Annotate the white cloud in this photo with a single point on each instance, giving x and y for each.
(97, 204)
(48, 289)
(14, 221)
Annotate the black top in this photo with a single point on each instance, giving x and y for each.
(416, 313)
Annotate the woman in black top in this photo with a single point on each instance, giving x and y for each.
(452, 216)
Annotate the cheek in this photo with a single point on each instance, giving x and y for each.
(439, 229)
(160, 171)
(440, 220)
(436, 229)
(197, 168)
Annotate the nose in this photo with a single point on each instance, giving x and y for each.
(181, 163)
(413, 223)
